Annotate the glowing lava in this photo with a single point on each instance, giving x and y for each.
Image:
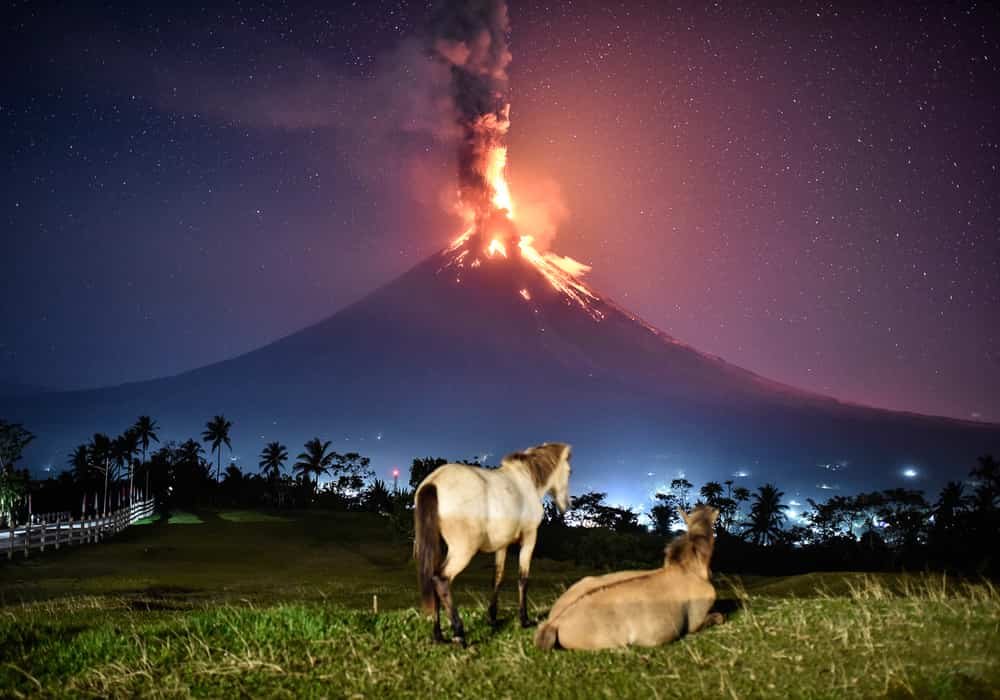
(496, 246)
(496, 164)
(561, 272)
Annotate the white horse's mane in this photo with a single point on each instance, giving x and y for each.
(538, 461)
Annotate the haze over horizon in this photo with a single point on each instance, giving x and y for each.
(810, 195)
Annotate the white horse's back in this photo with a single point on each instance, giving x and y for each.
(483, 508)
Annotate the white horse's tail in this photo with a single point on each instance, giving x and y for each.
(427, 543)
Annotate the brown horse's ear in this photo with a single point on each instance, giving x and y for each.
(684, 517)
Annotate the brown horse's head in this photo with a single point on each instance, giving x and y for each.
(701, 520)
(693, 549)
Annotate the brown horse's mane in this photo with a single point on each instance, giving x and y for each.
(539, 461)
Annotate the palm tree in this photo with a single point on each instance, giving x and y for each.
(217, 433)
(714, 495)
(100, 456)
(79, 462)
(766, 516)
(145, 429)
(711, 492)
(272, 459)
(315, 460)
(950, 504)
(125, 447)
(190, 452)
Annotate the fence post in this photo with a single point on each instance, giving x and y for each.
(41, 539)
(27, 538)
(58, 531)
(10, 542)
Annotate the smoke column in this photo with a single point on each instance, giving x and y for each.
(471, 37)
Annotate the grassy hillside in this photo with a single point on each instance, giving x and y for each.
(244, 603)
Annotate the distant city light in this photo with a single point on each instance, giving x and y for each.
(910, 473)
(395, 473)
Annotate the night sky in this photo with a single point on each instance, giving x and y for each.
(809, 193)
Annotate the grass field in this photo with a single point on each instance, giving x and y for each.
(280, 605)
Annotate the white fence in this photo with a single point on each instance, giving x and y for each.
(68, 532)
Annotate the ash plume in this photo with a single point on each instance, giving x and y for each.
(471, 38)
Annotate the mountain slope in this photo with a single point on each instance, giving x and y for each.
(459, 357)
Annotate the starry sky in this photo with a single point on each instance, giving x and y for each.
(811, 193)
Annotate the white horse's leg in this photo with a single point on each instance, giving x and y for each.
(524, 567)
(501, 560)
(455, 562)
(438, 636)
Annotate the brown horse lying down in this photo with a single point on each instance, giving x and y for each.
(642, 608)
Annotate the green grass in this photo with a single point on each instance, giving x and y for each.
(182, 518)
(250, 516)
(281, 606)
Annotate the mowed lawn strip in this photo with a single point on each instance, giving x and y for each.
(211, 616)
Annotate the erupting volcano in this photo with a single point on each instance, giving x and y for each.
(472, 41)
(496, 342)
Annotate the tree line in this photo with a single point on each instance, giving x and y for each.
(891, 528)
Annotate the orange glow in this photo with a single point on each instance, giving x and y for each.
(561, 272)
(496, 246)
(496, 164)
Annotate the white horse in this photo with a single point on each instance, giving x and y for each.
(483, 510)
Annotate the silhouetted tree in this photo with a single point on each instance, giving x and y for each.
(217, 434)
(378, 498)
(585, 509)
(551, 515)
(190, 473)
(100, 449)
(664, 515)
(711, 492)
(272, 459)
(145, 431)
(13, 439)
(950, 506)
(904, 513)
(124, 447)
(681, 488)
(350, 471)
(191, 451)
(830, 519)
(713, 495)
(315, 460)
(421, 469)
(766, 515)
(590, 510)
(80, 466)
(986, 478)
(401, 514)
